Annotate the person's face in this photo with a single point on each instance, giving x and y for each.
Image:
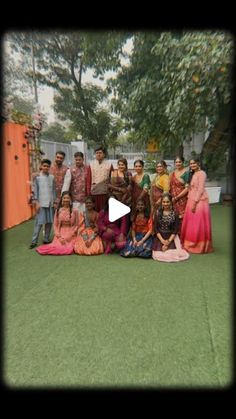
(79, 161)
(166, 204)
(89, 204)
(140, 206)
(99, 155)
(66, 200)
(121, 166)
(178, 164)
(59, 159)
(193, 165)
(160, 169)
(138, 168)
(45, 168)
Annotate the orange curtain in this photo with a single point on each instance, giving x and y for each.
(16, 175)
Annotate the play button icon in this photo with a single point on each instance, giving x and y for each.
(116, 209)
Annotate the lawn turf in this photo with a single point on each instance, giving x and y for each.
(110, 322)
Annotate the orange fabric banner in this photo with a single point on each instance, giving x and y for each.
(16, 175)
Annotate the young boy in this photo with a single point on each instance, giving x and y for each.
(44, 198)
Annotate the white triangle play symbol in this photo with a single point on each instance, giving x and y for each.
(116, 209)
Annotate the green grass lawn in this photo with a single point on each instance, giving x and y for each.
(109, 322)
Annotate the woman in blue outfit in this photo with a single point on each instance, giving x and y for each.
(140, 243)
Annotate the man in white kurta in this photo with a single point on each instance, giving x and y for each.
(100, 170)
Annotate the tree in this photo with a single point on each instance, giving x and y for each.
(176, 84)
(54, 132)
(62, 59)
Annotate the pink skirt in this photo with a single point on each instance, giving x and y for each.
(171, 255)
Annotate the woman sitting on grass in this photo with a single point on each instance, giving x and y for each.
(140, 243)
(113, 234)
(65, 229)
(88, 241)
(166, 243)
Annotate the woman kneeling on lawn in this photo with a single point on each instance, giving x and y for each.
(166, 243)
(88, 241)
(65, 229)
(140, 243)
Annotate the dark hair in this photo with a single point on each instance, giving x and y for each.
(135, 212)
(60, 202)
(47, 161)
(180, 158)
(162, 162)
(126, 176)
(159, 215)
(90, 198)
(124, 161)
(139, 161)
(79, 154)
(61, 152)
(100, 148)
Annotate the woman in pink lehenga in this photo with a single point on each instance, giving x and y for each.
(196, 235)
(65, 229)
(160, 184)
(179, 187)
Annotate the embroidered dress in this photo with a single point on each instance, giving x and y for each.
(196, 234)
(59, 174)
(167, 225)
(88, 230)
(177, 185)
(160, 184)
(124, 184)
(116, 234)
(137, 189)
(76, 182)
(65, 227)
(141, 225)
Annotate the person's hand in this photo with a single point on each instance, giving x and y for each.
(139, 243)
(37, 206)
(109, 230)
(164, 248)
(135, 243)
(63, 241)
(194, 207)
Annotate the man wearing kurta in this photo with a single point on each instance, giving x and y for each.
(100, 170)
(58, 170)
(44, 199)
(77, 181)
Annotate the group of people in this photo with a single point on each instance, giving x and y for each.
(169, 218)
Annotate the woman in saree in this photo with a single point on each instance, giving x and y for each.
(88, 241)
(65, 229)
(179, 179)
(140, 187)
(160, 184)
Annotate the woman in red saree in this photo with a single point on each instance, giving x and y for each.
(179, 187)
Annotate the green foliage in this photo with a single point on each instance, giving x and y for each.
(173, 82)
(21, 117)
(54, 132)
